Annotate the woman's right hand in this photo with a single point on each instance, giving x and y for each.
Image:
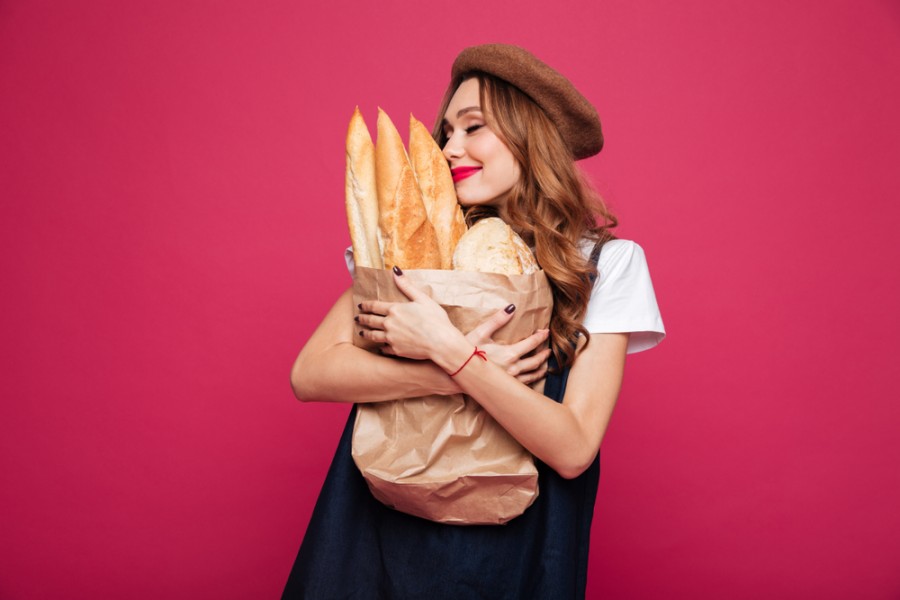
(516, 359)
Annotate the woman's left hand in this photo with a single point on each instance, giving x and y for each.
(409, 329)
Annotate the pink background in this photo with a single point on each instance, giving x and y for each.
(172, 185)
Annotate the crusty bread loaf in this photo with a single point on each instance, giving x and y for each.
(491, 246)
(439, 195)
(361, 195)
(408, 238)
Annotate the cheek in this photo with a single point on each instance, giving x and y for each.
(514, 170)
(508, 171)
(483, 148)
(493, 151)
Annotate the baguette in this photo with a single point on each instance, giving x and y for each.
(361, 196)
(409, 239)
(438, 193)
(491, 246)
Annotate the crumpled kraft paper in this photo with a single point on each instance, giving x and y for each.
(444, 458)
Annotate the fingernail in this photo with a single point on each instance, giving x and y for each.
(509, 309)
(356, 318)
(360, 333)
(359, 306)
(397, 270)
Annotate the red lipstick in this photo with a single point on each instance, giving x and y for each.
(460, 173)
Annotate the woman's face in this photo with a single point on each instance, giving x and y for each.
(483, 168)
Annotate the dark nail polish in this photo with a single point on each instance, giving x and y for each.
(397, 270)
(509, 309)
(359, 306)
(356, 318)
(360, 333)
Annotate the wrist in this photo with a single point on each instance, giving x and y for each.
(450, 354)
(476, 352)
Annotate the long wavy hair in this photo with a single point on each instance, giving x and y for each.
(552, 207)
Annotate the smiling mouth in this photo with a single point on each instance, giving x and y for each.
(461, 173)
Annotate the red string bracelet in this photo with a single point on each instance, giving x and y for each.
(476, 352)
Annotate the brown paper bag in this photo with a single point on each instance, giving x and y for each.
(444, 458)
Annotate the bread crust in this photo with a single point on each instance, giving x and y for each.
(527, 262)
(491, 246)
(438, 193)
(409, 239)
(361, 194)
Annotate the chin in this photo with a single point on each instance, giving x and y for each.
(468, 202)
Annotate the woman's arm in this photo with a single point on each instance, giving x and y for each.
(331, 369)
(565, 436)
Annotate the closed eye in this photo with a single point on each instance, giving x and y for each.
(448, 131)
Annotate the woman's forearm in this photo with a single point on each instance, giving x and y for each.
(565, 436)
(345, 373)
(331, 369)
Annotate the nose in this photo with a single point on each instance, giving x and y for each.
(453, 148)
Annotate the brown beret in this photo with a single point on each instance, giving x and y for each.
(575, 117)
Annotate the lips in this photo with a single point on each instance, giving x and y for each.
(460, 173)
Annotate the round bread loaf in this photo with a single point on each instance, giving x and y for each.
(491, 246)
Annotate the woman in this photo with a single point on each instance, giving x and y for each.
(511, 128)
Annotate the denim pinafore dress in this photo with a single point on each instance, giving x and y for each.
(356, 548)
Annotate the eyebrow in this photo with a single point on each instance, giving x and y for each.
(465, 110)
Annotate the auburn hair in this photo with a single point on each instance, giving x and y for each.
(552, 207)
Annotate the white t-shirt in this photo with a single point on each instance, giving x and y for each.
(622, 300)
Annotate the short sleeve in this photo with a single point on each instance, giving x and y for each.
(623, 300)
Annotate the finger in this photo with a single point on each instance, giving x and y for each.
(388, 350)
(529, 378)
(531, 342)
(375, 307)
(485, 330)
(408, 288)
(374, 335)
(531, 363)
(371, 321)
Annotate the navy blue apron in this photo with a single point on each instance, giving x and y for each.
(357, 548)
